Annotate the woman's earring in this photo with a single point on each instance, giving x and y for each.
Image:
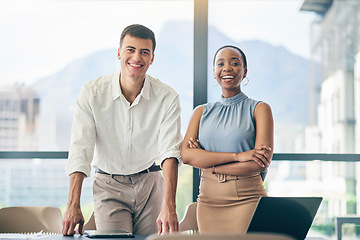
(216, 83)
(247, 81)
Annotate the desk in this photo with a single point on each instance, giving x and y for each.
(79, 237)
(15, 236)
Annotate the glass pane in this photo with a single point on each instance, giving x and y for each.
(37, 182)
(306, 65)
(277, 53)
(49, 49)
(319, 178)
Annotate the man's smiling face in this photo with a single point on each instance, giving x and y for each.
(135, 55)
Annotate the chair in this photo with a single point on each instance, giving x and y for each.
(189, 222)
(30, 220)
(90, 223)
(219, 236)
(339, 221)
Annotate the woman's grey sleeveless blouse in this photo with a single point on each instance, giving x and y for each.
(228, 125)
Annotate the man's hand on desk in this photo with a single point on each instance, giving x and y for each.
(167, 221)
(72, 217)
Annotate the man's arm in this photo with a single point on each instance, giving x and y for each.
(73, 214)
(167, 220)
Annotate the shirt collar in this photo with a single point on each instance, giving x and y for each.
(145, 91)
(116, 90)
(115, 84)
(233, 100)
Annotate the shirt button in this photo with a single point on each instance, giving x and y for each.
(129, 127)
(127, 163)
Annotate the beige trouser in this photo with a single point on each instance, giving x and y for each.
(226, 203)
(129, 202)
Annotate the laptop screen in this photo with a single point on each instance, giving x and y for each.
(288, 215)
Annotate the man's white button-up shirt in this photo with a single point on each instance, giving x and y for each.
(127, 138)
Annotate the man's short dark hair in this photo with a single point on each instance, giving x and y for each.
(138, 31)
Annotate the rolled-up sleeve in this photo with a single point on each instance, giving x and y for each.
(83, 135)
(170, 139)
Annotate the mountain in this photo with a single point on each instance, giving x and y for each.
(277, 77)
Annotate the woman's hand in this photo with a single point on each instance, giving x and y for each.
(247, 163)
(194, 143)
(262, 156)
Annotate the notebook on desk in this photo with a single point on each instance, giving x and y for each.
(119, 233)
(288, 215)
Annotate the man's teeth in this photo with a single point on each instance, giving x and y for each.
(135, 65)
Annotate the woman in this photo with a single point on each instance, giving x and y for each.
(231, 141)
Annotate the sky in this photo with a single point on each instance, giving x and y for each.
(39, 38)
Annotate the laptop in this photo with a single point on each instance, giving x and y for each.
(287, 215)
(119, 233)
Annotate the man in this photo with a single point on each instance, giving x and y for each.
(133, 120)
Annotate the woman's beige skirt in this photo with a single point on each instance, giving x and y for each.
(226, 203)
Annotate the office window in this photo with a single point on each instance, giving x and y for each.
(296, 63)
(49, 49)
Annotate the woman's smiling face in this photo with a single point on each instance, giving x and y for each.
(229, 70)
